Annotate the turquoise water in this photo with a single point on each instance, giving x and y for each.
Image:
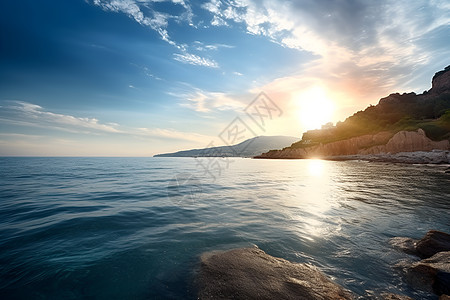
(133, 228)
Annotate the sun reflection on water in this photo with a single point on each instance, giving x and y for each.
(315, 167)
(315, 199)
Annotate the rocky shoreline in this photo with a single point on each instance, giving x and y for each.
(435, 157)
(417, 157)
(250, 273)
(405, 128)
(403, 147)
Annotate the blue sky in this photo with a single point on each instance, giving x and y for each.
(140, 77)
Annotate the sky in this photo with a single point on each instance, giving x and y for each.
(142, 77)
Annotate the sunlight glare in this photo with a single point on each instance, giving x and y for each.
(315, 167)
(315, 108)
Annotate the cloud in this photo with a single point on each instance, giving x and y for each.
(172, 134)
(353, 24)
(195, 60)
(206, 101)
(145, 70)
(143, 13)
(353, 39)
(218, 21)
(200, 46)
(20, 113)
(28, 114)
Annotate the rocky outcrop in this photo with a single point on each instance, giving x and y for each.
(408, 141)
(441, 82)
(432, 243)
(380, 143)
(250, 273)
(431, 274)
(395, 111)
(345, 147)
(417, 157)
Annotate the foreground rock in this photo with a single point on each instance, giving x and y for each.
(433, 242)
(431, 274)
(250, 273)
(391, 296)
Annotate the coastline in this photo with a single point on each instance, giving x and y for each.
(441, 157)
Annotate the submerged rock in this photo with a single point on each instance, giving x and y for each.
(404, 244)
(250, 273)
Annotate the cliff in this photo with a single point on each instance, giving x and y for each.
(398, 123)
(408, 141)
(441, 82)
(382, 142)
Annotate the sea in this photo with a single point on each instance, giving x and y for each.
(134, 228)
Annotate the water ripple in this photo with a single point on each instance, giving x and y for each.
(119, 228)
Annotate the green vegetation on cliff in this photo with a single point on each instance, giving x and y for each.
(429, 111)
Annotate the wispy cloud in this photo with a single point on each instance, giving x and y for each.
(172, 134)
(200, 46)
(145, 70)
(25, 114)
(354, 40)
(158, 21)
(218, 21)
(192, 59)
(206, 101)
(143, 13)
(28, 114)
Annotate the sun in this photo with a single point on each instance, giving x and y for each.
(314, 108)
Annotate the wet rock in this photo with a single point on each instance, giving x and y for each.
(431, 274)
(404, 244)
(250, 273)
(433, 242)
(444, 297)
(390, 296)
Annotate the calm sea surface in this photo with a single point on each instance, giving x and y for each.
(133, 228)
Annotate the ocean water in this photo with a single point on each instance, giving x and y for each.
(133, 228)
